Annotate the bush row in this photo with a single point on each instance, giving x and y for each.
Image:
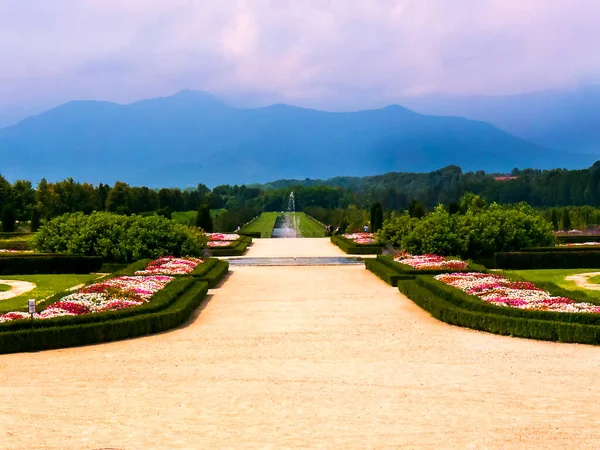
(14, 244)
(577, 239)
(161, 300)
(455, 307)
(176, 313)
(15, 234)
(212, 270)
(386, 273)
(547, 260)
(238, 248)
(406, 269)
(46, 263)
(352, 248)
(562, 249)
(250, 234)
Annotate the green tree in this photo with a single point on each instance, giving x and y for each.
(554, 219)
(203, 219)
(376, 217)
(566, 219)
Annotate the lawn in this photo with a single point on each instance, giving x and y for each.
(4, 287)
(264, 225)
(46, 286)
(556, 276)
(310, 227)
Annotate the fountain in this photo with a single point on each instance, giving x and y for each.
(287, 224)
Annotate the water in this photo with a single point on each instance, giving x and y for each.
(287, 225)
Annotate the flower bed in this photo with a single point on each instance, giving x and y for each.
(361, 238)
(169, 265)
(110, 295)
(430, 262)
(500, 291)
(222, 236)
(6, 250)
(220, 243)
(579, 244)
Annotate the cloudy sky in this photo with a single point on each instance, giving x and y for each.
(333, 52)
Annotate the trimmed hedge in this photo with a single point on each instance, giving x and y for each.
(15, 234)
(352, 248)
(250, 234)
(576, 239)
(77, 334)
(447, 309)
(547, 260)
(238, 248)
(406, 269)
(212, 270)
(578, 248)
(14, 244)
(160, 300)
(47, 263)
(387, 274)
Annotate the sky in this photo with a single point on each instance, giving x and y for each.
(328, 53)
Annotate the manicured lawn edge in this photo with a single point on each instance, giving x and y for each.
(352, 248)
(238, 248)
(175, 313)
(47, 263)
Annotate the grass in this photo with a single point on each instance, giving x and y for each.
(4, 287)
(594, 279)
(46, 286)
(556, 276)
(309, 227)
(264, 224)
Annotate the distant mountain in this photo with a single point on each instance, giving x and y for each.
(193, 137)
(561, 120)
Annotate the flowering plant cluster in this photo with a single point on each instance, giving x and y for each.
(222, 236)
(501, 291)
(110, 295)
(430, 262)
(219, 243)
(5, 250)
(169, 265)
(578, 244)
(361, 238)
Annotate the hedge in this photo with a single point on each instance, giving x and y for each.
(14, 244)
(47, 263)
(160, 300)
(15, 234)
(250, 234)
(352, 248)
(578, 248)
(387, 274)
(176, 313)
(575, 239)
(238, 248)
(212, 270)
(406, 269)
(500, 323)
(547, 260)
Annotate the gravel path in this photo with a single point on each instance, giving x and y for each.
(582, 280)
(304, 357)
(17, 288)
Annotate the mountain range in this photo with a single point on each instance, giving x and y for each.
(193, 137)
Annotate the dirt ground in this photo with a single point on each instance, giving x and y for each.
(304, 357)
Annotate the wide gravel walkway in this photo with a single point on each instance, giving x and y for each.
(304, 357)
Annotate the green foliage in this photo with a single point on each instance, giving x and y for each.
(118, 238)
(479, 232)
(376, 217)
(566, 219)
(4, 287)
(554, 219)
(9, 219)
(353, 248)
(204, 220)
(416, 209)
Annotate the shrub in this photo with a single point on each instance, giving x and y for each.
(353, 248)
(118, 238)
